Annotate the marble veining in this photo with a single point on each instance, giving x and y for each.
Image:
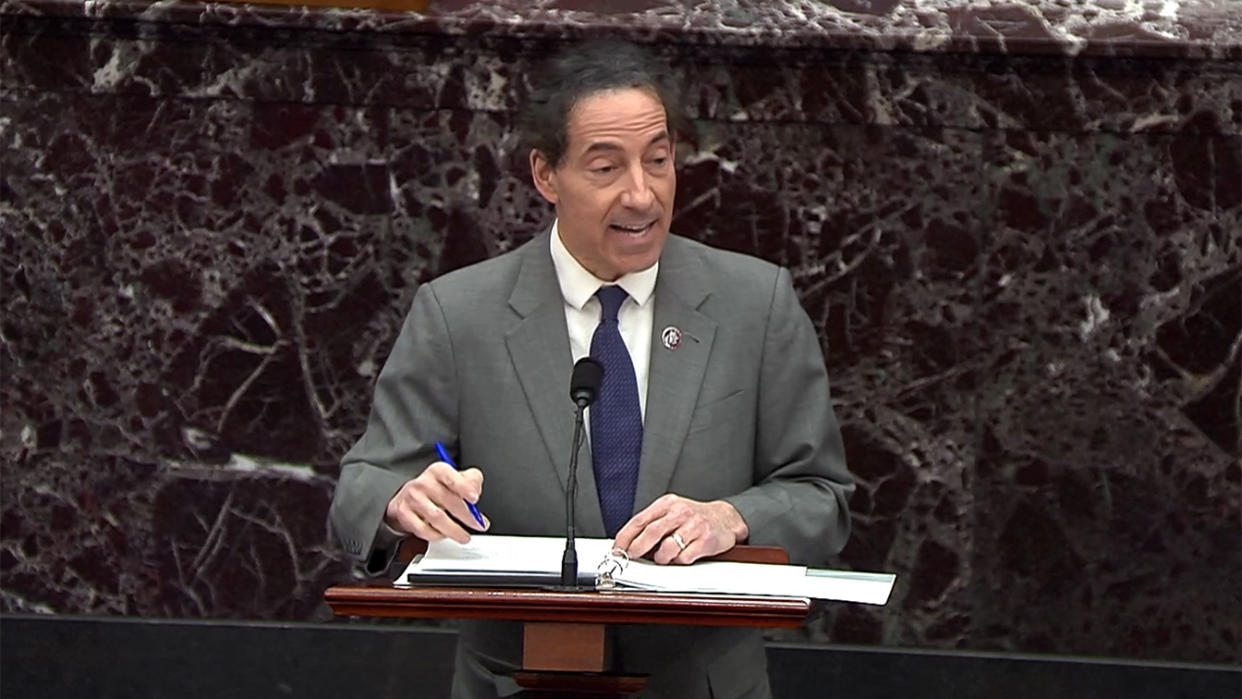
(1016, 229)
(1110, 27)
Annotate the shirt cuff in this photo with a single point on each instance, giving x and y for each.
(387, 535)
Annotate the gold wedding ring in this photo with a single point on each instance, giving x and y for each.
(681, 543)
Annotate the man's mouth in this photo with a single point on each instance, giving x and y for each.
(632, 229)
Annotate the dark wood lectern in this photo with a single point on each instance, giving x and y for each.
(564, 647)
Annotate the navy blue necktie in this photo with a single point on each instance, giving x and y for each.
(616, 421)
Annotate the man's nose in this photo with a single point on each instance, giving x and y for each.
(638, 193)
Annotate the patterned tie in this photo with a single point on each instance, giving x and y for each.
(616, 422)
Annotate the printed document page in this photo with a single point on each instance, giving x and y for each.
(725, 577)
(488, 553)
(494, 555)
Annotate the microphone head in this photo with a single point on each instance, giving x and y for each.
(584, 383)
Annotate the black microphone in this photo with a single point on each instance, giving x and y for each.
(583, 385)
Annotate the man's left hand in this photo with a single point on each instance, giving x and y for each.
(681, 530)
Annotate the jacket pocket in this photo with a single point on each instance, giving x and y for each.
(716, 412)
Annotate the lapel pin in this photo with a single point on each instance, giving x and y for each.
(670, 337)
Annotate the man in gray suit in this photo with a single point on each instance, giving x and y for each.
(716, 427)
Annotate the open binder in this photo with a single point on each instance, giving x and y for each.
(524, 561)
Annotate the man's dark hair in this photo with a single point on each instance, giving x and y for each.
(583, 70)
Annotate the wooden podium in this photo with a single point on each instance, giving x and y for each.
(565, 645)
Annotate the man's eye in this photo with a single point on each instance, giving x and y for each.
(603, 169)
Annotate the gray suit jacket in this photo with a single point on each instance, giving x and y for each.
(739, 411)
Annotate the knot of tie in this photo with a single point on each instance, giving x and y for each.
(611, 298)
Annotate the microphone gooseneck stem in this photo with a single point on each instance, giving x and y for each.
(569, 562)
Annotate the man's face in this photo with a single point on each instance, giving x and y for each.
(614, 188)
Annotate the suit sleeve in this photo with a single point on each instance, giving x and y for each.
(800, 498)
(415, 404)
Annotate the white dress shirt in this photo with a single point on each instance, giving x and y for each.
(582, 310)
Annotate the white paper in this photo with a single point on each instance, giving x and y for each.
(489, 554)
(509, 554)
(728, 577)
(715, 576)
(847, 586)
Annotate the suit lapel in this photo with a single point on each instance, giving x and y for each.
(539, 349)
(675, 375)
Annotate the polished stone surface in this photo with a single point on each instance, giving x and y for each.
(1197, 28)
(51, 657)
(1023, 257)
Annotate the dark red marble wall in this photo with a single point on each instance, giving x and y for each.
(1024, 266)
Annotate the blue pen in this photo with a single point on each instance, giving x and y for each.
(444, 456)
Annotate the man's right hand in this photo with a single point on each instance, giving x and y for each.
(423, 505)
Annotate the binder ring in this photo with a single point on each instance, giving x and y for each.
(611, 567)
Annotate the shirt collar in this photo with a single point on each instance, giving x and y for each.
(578, 285)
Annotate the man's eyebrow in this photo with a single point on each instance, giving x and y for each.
(602, 146)
(611, 146)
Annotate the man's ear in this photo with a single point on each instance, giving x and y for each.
(543, 174)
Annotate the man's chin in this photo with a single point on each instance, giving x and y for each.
(639, 260)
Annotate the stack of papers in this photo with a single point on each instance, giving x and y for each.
(531, 557)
